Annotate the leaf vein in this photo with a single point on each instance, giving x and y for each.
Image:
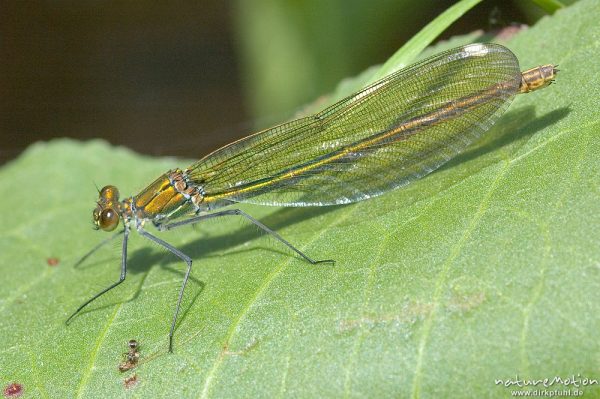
(428, 325)
(267, 282)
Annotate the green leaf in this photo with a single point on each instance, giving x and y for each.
(424, 38)
(486, 269)
(400, 59)
(549, 6)
(291, 52)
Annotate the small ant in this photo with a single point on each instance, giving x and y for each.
(131, 357)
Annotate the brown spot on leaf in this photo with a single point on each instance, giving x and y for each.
(130, 381)
(464, 303)
(52, 261)
(408, 314)
(249, 346)
(13, 390)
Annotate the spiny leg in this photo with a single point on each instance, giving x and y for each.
(239, 212)
(187, 260)
(121, 278)
(97, 247)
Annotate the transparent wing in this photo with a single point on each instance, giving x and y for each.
(392, 132)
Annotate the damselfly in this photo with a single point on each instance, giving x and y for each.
(381, 138)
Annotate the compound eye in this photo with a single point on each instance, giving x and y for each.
(96, 218)
(109, 219)
(109, 193)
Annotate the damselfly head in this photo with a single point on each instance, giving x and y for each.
(106, 215)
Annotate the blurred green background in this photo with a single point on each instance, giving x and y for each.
(183, 79)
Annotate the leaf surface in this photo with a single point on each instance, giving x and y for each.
(487, 269)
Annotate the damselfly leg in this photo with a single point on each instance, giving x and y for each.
(182, 256)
